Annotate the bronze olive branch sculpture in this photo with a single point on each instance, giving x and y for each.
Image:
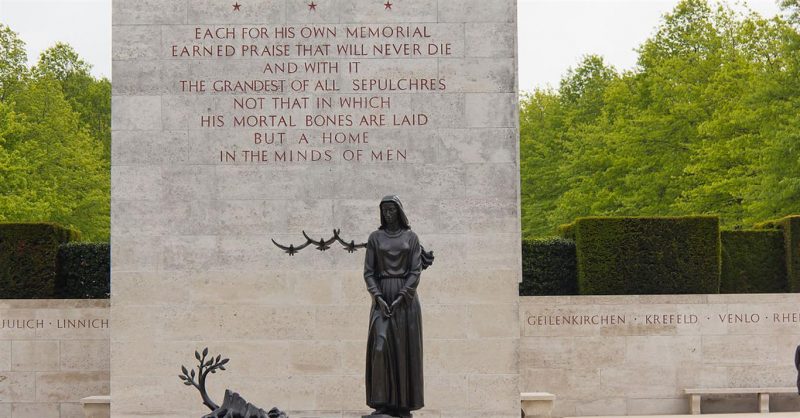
(233, 406)
(203, 370)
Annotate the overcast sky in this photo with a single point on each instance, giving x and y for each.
(553, 34)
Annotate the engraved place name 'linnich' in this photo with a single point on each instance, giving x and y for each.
(82, 323)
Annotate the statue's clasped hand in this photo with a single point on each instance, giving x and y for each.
(384, 307)
(396, 303)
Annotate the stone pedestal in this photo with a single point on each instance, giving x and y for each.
(379, 416)
(97, 406)
(537, 404)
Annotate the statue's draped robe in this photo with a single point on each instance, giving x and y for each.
(797, 366)
(394, 346)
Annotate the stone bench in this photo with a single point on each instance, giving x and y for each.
(97, 406)
(537, 404)
(763, 395)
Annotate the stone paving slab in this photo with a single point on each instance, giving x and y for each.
(738, 415)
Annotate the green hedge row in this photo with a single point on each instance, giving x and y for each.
(548, 268)
(28, 258)
(753, 262)
(790, 227)
(40, 261)
(641, 256)
(664, 255)
(566, 231)
(83, 271)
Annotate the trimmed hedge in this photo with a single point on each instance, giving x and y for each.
(790, 226)
(640, 256)
(28, 258)
(566, 231)
(753, 262)
(791, 234)
(548, 268)
(83, 271)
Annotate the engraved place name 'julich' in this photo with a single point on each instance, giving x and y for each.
(21, 324)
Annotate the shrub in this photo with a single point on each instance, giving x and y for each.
(28, 258)
(566, 231)
(753, 262)
(548, 267)
(790, 226)
(670, 255)
(83, 271)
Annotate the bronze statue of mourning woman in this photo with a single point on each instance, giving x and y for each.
(392, 267)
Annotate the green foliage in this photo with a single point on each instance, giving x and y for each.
(61, 62)
(13, 60)
(54, 136)
(88, 97)
(548, 267)
(791, 237)
(566, 231)
(28, 259)
(626, 255)
(753, 261)
(790, 227)
(83, 271)
(707, 123)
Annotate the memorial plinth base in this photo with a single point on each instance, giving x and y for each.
(97, 406)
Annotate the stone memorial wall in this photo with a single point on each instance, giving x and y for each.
(236, 123)
(53, 353)
(634, 355)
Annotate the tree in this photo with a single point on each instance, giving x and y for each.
(87, 96)
(705, 124)
(13, 62)
(53, 167)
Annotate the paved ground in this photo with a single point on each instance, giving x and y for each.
(741, 415)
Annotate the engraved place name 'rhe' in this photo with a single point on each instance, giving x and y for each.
(786, 317)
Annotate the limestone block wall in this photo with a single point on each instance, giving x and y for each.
(634, 355)
(193, 217)
(52, 354)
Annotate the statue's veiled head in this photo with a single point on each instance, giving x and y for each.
(392, 201)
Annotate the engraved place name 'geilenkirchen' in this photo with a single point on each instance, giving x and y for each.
(314, 93)
(660, 319)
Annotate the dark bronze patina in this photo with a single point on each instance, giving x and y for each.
(233, 406)
(322, 244)
(392, 267)
(797, 366)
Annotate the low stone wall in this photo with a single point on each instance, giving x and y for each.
(623, 355)
(52, 354)
(600, 355)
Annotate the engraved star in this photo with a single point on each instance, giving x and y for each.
(312, 6)
(388, 5)
(236, 6)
